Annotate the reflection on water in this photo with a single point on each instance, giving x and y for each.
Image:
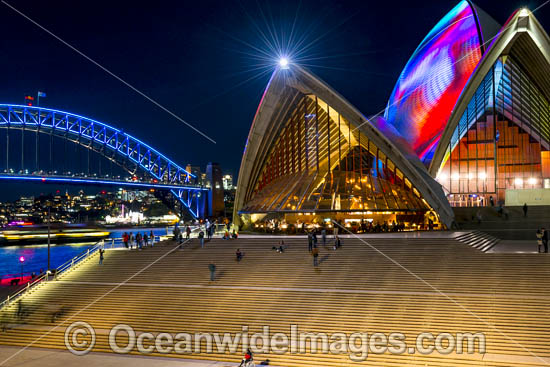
(36, 256)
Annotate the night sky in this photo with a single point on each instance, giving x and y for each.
(204, 60)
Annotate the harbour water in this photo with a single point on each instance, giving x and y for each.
(36, 256)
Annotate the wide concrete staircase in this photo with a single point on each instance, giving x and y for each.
(441, 285)
(479, 240)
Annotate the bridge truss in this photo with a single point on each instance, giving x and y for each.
(127, 152)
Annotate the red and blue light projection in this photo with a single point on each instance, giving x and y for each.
(431, 83)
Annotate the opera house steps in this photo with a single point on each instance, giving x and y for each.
(355, 288)
(515, 228)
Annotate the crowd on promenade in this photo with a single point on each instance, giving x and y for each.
(275, 226)
(204, 231)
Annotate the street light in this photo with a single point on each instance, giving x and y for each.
(21, 261)
(49, 204)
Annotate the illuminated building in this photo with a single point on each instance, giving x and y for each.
(473, 104)
(496, 143)
(433, 79)
(467, 124)
(228, 182)
(215, 194)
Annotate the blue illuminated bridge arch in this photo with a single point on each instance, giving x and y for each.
(121, 148)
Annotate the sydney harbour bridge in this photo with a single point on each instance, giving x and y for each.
(50, 146)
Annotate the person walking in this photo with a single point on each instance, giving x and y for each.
(315, 254)
(525, 208)
(309, 242)
(125, 239)
(207, 228)
(545, 239)
(138, 241)
(20, 309)
(152, 238)
(101, 252)
(314, 236)
(201, 238)
(145, 239)
(337, 243)
(539, 240)
(187, 232)
(131, 240)
(324, 236)
(212, 268)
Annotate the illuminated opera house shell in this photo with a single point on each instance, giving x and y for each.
(433, 79)
(311, 151)
(468, 122)
(496, 143)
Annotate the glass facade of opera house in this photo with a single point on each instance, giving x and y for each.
(320, 163)
(467, 124)
(501, 141)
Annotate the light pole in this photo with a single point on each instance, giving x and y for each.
(49, 233)
(22, 261)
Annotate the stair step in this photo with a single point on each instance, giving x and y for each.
(479, 240)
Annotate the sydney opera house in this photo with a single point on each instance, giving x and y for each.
(467, 124)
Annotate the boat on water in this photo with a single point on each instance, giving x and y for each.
(38, 234)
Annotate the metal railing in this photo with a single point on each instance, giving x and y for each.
(64, 268)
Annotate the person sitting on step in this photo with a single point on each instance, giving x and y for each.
(247, 358)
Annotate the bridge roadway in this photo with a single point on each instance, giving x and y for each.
(99, 181)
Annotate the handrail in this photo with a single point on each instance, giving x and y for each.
(20, 292)
(62, 268)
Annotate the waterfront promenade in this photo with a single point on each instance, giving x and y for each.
(439, 286)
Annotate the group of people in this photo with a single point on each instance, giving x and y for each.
(139, 241)
(312, 239)
(359, 226)
(226, 236)
(178, 235)
(368, 227)
(312, 243)
(206, 232)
